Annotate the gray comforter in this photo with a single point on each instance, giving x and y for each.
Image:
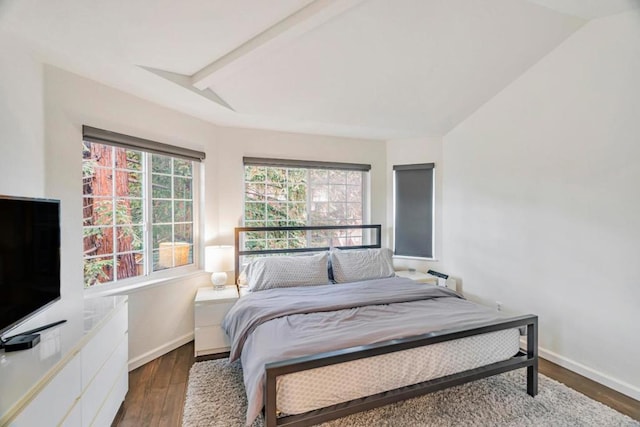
(283, 323)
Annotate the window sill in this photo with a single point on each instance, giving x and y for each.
(109, 290)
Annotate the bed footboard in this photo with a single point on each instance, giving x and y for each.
(528, 359)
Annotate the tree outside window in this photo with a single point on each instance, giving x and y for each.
(290, 196)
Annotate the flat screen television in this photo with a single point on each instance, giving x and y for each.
(29, 258)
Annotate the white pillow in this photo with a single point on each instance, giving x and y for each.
(287, 271)
(356, 265)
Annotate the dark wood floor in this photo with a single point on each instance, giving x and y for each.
(157, 390)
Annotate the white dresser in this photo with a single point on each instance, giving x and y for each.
(210, 308)
(76, 376)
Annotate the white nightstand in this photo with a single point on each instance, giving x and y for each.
(209, 310)
(417, 276)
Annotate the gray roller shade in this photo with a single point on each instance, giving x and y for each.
(308, 164)
(102, 136)
(413, 210)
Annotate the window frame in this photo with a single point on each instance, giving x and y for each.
(416, 167)
(365, 184)
(149, 148)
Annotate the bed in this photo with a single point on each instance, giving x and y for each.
(313, 351)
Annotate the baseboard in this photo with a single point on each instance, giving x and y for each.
(159, 351)
(604, 379)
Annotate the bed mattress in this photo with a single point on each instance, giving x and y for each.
(317, 388)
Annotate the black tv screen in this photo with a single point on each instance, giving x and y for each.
(29, 257)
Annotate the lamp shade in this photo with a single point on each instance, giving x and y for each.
(218, 258)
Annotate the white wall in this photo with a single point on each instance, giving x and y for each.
(22, 146)
(21, 121)
(542, 206)
(161, 318)
(413, 151)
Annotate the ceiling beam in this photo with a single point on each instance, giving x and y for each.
(311, 16)
(185, 82)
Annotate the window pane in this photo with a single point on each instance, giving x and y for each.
(136, 206)
(276, 174)
(123, 212)
(276, 192)
(354, 178)
(297, 214)
(337, 177)
(182, 188)
(161, 211)
(297, 192)
(254, 212)
(319, 176)
(182, 167)
(254, 191)
(297, 175)
(354, 193)
(128, 184)
(161, 234)
(277, 211)
(320, 193)
(173, 255)
(126, 266)
(183, 233)
(87, 211)
(254, 174)
(134, 160)
(98, 270)
(97, 241)
(103, 211)
(161, 186)
(337, 193)
(130, 238)
(183, 211)
(161, 164)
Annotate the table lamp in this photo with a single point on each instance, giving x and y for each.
(218, 260)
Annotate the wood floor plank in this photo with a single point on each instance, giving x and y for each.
(592, 389)
(157, 390)
(139, 385)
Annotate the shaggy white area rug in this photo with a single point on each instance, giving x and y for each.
(216, 397)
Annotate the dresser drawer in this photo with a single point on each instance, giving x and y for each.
(210, 339)
(211, 313)
(50, 406)
(102, 345)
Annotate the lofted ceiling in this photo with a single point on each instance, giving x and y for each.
(377, 69)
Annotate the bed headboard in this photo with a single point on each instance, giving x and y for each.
(327, 237)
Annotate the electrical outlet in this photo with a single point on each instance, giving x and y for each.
(498, 306)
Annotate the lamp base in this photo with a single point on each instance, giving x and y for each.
(219, 280)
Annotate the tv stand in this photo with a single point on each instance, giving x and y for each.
(77, 375)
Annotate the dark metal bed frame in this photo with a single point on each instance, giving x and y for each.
(524, 359)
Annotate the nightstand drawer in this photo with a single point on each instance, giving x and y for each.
(210, 339)
(207, 314)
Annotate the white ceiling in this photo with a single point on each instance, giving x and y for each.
(364, 68)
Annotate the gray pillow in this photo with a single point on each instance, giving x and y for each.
(287, 271)
(356, 265)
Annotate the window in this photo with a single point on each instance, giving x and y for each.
(138, 207)
(298, 193)
(413, 210)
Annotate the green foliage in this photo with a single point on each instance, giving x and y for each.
(297, 197)
(95, 271)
